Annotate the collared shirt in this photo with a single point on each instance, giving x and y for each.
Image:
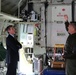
(11, 35)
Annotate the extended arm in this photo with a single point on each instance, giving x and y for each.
(66, 22)
(66, 25)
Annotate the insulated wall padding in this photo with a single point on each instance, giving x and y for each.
(59, 34)
(58, 12)
(56, 32)
(55, 13)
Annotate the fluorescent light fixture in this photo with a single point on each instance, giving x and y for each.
(9, 17)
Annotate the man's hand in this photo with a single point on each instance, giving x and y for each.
(65, 17)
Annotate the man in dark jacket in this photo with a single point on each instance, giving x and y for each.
(70, 48)
(13, 47)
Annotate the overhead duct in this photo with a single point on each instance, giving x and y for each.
(30, 6)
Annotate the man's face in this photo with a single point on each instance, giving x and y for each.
(12, 30)
(71, 29)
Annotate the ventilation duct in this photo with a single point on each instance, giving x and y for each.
(30, 7)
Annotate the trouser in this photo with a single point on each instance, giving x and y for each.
(11, 68)
(70, 66)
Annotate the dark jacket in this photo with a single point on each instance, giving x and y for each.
(13, 47)
(70, 47)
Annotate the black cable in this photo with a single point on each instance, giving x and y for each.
(46, 5)
(73, 12)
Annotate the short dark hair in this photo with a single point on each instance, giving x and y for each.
(73, 24)
(8, 27)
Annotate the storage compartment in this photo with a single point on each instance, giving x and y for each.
(58, 61)
(58, 64)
